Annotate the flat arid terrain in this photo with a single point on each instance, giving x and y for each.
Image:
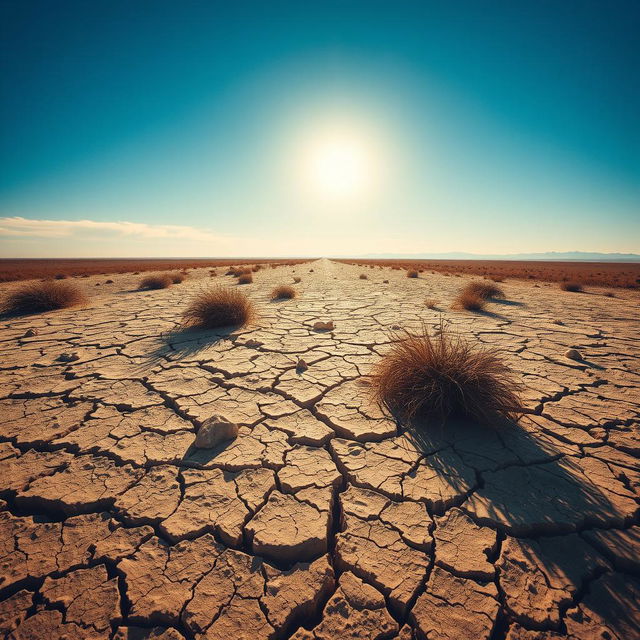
(322, 518)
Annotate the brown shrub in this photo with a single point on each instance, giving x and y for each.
(412, 273)
(483, 290)
(423, 380)
(159, 281)
(245, 278)
(43, 296)
(219, 307)
(575, 287)
(177, 277)
(283, 292)
(469, 301)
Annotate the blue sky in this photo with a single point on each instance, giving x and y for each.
(184, 129)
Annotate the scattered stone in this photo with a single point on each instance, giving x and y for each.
(301, 365)
(215, 430)
(323, 326)
(573, 354)
(30, 333)
(69, 357)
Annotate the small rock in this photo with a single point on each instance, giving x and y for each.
(385, 282)
(253, 344)
(301, 365)
(395, 327)
(29, 333)
(573, 354)
(68, 357)
(323, 326)
(215, 430)
(108, 281)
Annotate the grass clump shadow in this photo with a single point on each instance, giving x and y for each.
(574, 287)
(425, 380)
(219, 307)
(47, 295)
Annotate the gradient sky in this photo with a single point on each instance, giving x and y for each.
(144, 128)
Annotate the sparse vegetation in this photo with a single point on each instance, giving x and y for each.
(424, 380)
(469, 301)
(430, 303)
(219, 307)
(604, 274)
(412, 273)
(245, 278)
(574, 287)
(32, 268)
(483, 290)
(283, 292)
(42, 296)
(178, 277)
(159, 281)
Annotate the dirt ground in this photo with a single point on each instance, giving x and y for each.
(322, 520)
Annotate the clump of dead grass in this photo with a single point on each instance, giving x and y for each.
(469, 301)
(412, 273)
(574, 287)
(219, 307)
(283, 292)
(483, 290)
(43, 296)
(431, 303)
(177, 277)
(158, 281)
(424, 380)
(245, 278)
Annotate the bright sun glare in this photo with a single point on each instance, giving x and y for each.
(340, 166)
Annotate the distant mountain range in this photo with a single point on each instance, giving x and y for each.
(569, 256)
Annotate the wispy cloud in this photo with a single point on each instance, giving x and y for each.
(24, 227)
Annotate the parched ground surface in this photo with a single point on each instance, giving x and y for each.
(321, 521)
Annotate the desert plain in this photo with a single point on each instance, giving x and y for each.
(324, 519)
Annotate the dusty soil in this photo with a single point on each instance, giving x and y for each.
(321, 520)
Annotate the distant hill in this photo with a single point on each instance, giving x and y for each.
(569, 256)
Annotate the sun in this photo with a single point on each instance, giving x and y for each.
(339, 166)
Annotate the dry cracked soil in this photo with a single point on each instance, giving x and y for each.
(322, 520)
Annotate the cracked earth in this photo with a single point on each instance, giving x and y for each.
(322, 520)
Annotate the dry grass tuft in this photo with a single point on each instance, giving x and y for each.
(483, 290)
(469, 301)
(430, 303)
(43, 296)
(412, 273)
(178, 277)
(575, 287)
(424, 380)
(219, 307)
(160, 281)
(245, 278)
(283, 292)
